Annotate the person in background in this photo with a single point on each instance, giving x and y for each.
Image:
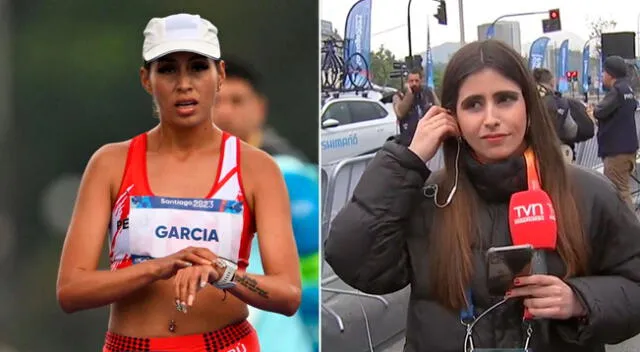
(241, 109)
(572, 122)
(617, 135)
(412, 103)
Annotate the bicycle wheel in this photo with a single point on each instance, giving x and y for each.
(326, 80)
(325, 67)
(331, 70)
(336, 72)
(357, 71)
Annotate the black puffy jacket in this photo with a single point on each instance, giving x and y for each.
(616, 120)
(377, 244)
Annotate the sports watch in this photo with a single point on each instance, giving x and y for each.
(225, 281)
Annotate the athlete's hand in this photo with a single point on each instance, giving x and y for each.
(190, 281)
(167, 267)
(436, 125)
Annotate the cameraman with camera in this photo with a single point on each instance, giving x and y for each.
(412, 103)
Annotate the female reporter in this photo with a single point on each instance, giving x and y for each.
(391, 235)
(182, 202)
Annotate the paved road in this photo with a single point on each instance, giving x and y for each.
(631, 345)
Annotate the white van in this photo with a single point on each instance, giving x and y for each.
(354, 125)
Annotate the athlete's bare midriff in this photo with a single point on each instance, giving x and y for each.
(149, 311)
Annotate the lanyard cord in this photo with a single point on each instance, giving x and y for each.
(533, 179)
(533, 182)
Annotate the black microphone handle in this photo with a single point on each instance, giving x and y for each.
(539, 267)
(539, 264)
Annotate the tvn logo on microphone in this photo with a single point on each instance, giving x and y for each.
(533, 212)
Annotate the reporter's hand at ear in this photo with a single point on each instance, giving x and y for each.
(432, 129)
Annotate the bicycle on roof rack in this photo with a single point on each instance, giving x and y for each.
(335, 72)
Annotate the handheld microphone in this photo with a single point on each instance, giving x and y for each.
(532, 220)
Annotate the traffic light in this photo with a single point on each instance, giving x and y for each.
(441, 15)
(417, 60)
(399, 70)
(572, 76)
(552, 24)
(412, 62)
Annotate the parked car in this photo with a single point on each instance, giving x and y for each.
(354, 124)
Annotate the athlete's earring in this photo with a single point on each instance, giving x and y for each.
(156, 111)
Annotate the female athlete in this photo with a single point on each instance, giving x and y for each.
(181, 202)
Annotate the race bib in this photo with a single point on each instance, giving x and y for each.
(161, 226)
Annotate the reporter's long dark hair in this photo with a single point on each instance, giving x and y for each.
(455, 228)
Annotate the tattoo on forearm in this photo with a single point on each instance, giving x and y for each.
(252, 285)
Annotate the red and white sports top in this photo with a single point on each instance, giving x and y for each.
(146, 226)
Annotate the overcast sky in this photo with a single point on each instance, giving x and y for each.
(387, 14)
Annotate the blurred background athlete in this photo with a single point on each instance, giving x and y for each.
(241, 109)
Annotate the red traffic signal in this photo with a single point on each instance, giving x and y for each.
(552, 24)
(572, 76)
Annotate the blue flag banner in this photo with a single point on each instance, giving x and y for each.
(585, 68)
(562, 66)
(357, 36)
(428, 60)
(600, 87)
(430, 83)
(537, 52)
(491, 31)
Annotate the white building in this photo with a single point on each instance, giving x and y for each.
(506, 31)
(327, 31)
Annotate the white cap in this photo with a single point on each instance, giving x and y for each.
(181, 32)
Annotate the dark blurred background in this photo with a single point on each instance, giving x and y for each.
(68, 84)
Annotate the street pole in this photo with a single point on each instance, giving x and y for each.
(638, 36)
(462, 22)
(491, 27)
(409, 26)
(426, 56)
(8, 212)
(388, 30)
(586, 91)
(600, 75)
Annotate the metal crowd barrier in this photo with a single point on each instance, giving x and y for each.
(338, 193)
(339, 181)
(348, 171)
